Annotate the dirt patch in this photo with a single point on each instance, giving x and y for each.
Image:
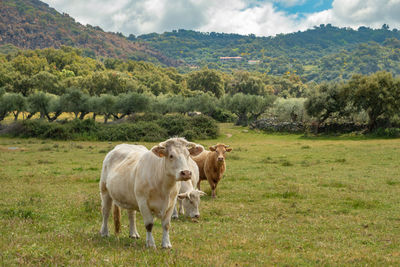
(11, 148)
(228, 135)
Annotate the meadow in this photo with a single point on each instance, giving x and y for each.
(285, 200)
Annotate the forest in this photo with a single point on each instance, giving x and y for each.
(323, 53)
(50, 82)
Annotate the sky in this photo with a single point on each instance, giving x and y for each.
(259, 17)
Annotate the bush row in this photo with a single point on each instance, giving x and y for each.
(148, 127)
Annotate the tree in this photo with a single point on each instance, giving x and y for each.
(38, 102)
(246, 83)
(131, 103)
(47, 82)
(377, 94)
(5, 105)
(55, 108)
(247, 107)
(207, 80)
(106, 106)
(75, 101)
(18, 103)
(204, 103)
(325, 100)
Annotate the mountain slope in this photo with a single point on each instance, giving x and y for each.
(305, 53)
(32, 24)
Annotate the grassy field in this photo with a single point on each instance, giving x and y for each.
(285, 200)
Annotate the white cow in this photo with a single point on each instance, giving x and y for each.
(135, 178)
(188, 197)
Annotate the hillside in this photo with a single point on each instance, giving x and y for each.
(323, 53)
(32, 24)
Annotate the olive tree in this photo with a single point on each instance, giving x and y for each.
(75, 101)
(247, 107)
(377, 94)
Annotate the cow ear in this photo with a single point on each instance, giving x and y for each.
(159, 151)
(195, 150)
(212, 148)
(229, 149)
(201, 193)
(182, 196)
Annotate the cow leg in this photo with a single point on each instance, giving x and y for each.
(181, 210)
(175, 212)
(132, 224)
(165, 225)
(213, 186)
(106, 202)
(148, 223)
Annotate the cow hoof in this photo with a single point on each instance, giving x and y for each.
(167, 246)
(150, 245)
(104, 234)
(175, 217)
(135, 236)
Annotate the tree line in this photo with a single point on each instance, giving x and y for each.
(50, 82)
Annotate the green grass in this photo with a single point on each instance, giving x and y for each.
(285, 200)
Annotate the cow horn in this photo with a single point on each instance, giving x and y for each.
(226, 146)
(190, 145)
(201, 192)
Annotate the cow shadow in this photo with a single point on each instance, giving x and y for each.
(120, 241)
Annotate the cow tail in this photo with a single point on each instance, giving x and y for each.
(117, 219)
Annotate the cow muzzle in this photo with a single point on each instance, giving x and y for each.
(185, 175)
(220, 159)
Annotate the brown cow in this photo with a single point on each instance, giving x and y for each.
(212, 165)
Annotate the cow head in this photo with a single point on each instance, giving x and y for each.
(220, 149)
(191, 202)
(176, 152)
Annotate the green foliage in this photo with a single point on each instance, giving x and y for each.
(247, 107)
(131, 103)
(387, 132)
(5, 105)
(39, 103)
(149, 128)
(324, 53)
(289, 110)
(207, 80)
(246, 83)
(75, 101)
(326, 100)
(378, 95)
(140, 131)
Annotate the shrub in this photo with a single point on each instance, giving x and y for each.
(223, 115)
(204, 127)
(149, 128)
(141, 131)
(175, 124)
(387, 132)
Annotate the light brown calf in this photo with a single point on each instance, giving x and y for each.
(212, 165)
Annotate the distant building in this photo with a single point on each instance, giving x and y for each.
(230, 58)
(253, 62)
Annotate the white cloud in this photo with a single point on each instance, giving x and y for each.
(258, 17)
(234, 17)
(355, 13)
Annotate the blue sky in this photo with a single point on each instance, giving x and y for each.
(304, 7)
(259, 17)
